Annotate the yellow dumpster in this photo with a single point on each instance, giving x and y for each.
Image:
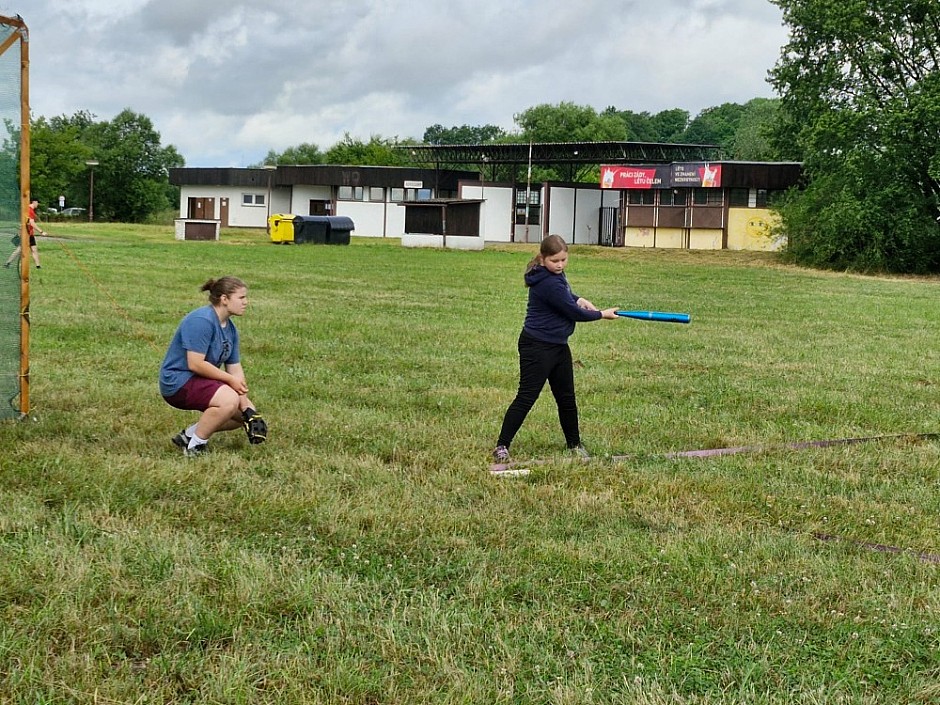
(281, 228)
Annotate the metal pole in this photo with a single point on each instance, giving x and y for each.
(270, 168)
(528, 192)
(25, 186)
(91, 163)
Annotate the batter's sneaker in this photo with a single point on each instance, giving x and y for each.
(579, 452)
(501, 454)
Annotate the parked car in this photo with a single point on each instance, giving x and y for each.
(71, 212)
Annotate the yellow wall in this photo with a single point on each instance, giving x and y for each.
(670, 238)
(750, 229)
(705, 239)
(638, 237)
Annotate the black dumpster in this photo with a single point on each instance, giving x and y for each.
(323, 229)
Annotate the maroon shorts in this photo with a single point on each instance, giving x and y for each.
(196, 394)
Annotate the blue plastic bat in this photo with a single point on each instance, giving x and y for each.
(660, 316)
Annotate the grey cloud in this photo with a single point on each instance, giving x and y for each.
(234, 77)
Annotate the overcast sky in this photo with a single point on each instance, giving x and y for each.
(224, 81)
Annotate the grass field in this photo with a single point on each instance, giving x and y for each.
(365, 554)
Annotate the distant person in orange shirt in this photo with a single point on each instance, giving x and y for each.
(31, 228)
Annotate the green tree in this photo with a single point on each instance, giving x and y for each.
(465, 134)
(57, 158)
(742, 131)
(304, 153)
(669, 125)
(378, 151)
(664, 126)
(132, 176)
(131, 179)
(753, 138)
(860, 97)
(567, 122)
(716, 125)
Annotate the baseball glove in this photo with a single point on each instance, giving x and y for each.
(256, 428)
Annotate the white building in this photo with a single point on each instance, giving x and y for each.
(648, 205)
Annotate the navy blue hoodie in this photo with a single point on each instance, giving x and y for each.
(553, 308)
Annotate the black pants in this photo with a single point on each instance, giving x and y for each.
(539, 362)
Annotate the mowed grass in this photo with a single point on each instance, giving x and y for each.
(365, 555)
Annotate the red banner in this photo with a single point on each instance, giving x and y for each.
(702, 175)
(699, 175)
(634, 176)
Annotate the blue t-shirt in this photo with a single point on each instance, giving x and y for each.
(202, 332)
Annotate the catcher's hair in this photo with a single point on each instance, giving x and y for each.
(551, 245)
(224, 286)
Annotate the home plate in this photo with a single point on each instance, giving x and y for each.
(507, 470)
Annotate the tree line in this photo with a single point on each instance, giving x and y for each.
(131, 178)
(739, 130)
(859, 106)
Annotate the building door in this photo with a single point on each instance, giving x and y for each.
(608, 228)
(223, 212)
(201, 209)
(319, 207)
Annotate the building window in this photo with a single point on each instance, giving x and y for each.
(534, 197)
(534, 209)
(399, 195)
(673, 197)
(642, 197)
(376, 194)
(533, 215)
(761, 198)
(253, 199)
(709, 196)
(738, 197)
(350, 193)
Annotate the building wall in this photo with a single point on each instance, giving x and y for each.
(705, 239)
(239, 215)
(535, 229)
(752, 229)
(496, 211)
(574, 213)
(300, 197)
(371, 218)
(639, 237)
(570, 212)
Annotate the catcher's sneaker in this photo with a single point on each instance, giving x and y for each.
(196, 451)
(181, 440)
